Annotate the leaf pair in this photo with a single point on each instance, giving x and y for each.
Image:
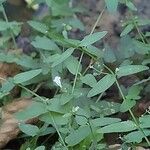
(109, 79)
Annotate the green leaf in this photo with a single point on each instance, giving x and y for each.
(78, 135)
(141, 48)
(8, 85)
(34, 110)
(124, 126)
(63, 57)
(44, 43)
(133, 92)
(65, 98)
(145, 121)
(132, 96)
(131, 5)
(25, 76)
(105, 108)
(81, 120)
(50, 117)
(111, 5)
(60, 8)
(38, 26)
(102, 85)
(136, 136)
(99, 122)
(94, 51)
(3, 26)
(29, 129)
(127, 104)
(109, 55)
(127, 29)
(40, 148)
(28, 62)
(146, 61)
(92, 38)
(72, 64)
(56, 106)
(130, 69)
(76, 23)
(89, 79)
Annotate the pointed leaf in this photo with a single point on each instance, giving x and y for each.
(78, 135)
(25, 76)
(92, 38)
(59, 118)
(40, 148)
(63, 57)
(29, 129)
(130, 69)
(38, 26)
(34, 110)
(89, 79)
(127, 104)
(136, 136)
(127, 29)
(145, 121)
(124, 126)
(102, 85)
(111, 5)
(72, 64)
(131, 5)
(99, 122)
(44, 43)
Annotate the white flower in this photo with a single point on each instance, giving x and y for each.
(117, 69)
(91, 67)
(75, 109)
(35, 7)
(57, 80)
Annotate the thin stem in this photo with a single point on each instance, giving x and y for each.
(100, 96)
(28, 90)
(33, 93)
(58, 131)
(130, 111)
(87, 68)
(76, 75)
(143, 81)
(98, 20)
(139, 32)
(94, 140)
(6, 19)
(3, 79)
(143, 38)
(132, 115)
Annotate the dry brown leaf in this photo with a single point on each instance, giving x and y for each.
(9, 124)
(9, 70)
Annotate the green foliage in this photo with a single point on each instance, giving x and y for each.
(28, 129)
(130, 69)
(92, 38)
(79, 106)
(102, 85)
(111, 5)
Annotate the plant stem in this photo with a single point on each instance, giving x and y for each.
(55, 125)
(76, 75)
(130, 111)
(58, 131)
(132, 115)
(98, 20)
(11, 33)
